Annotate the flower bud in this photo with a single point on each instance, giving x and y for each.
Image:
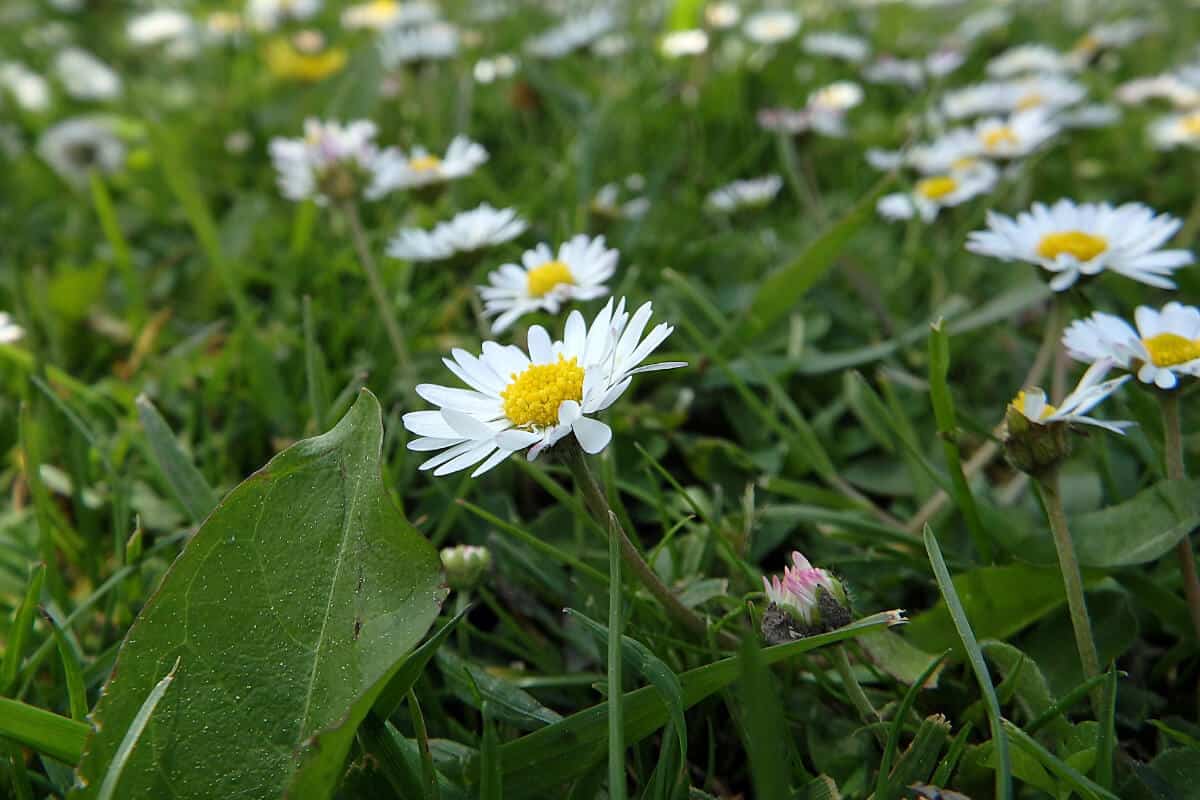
(805, 601)
(465, 565)
(1031, 446)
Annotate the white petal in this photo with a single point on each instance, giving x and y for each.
(593, 435)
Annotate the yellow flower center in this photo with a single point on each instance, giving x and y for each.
(1084, 246)
(544, 278)
(1191, 124)
(999, 136)
(533, 397)
(1018, 405)
(1087, 44)
(937, 187)
(1030, 100)
(1169, 349)
(425, 163)
(964, 163)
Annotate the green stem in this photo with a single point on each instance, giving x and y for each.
(1072, 581)
(858, 698)
(102, 201)
(1173, 450)
(375, 282)
(616, 712)
(597, 503)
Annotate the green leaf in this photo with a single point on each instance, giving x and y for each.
(506, 703)
(780, 291)
(999, 601)
(20, 629)
(189, 486)
(1063, 771)
(537, 762)
(406, 677)
(898, 657)
(962, 627)
(287, 610)
(44, 731)
(112, 778)
(765, 729)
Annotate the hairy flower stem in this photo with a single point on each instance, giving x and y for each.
(616, 699)
(597, 503)
(1173, 450)
(859, 699)
(363, 250)
(1072, 581)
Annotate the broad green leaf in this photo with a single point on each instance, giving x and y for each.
(1032, 691)
(287, 611)
(999, 601)
(1142, 529)
(781, 290)
(189, 486)
(898, 657)
(44, 731)
(540, 761)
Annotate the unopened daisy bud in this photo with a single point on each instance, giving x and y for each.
(465, 564)
(805, 601)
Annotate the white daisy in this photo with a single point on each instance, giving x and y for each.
(545, 281)
(28, 88)
(955, 149)
(466, 232)
(1051, 92)
(10, 331)
(884, 160)
(982, 23)
(159, 26)
(421, 168)
(722, 16)
(331, 159)
(1093, 115)
(1071, 240)
(1031, 58)
(753, 193)
(1111, 35)
(771, 26)
(434, 41)
(266, 15)
(488, 70)
(1168, 86)
(572, 33)
(379, 15)
(75, 147)
(608, 200)
(836, 45)
(1014, 137)
(677, 44)
(1073, 410)
(1176, 130)
(935, 192)
(891, 70)
(86, 77)
(1164, 346)
(518, 401)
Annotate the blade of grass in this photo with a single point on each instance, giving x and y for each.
(1004, 788)
(766, 731)
(1108, 733)
(72, 670)
(189, 486)
(22, 626)
(44, 731)
(1078, 781)
(108, 787)
(884, 790)
(616, 691)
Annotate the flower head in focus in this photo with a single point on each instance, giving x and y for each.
(1071, 240)
(521, 400)
(1164, 346)
(811, 600)
(545, 281)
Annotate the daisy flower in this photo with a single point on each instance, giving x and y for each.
(956, 149)
(935, 192)
(891, 70)
(546, 281)
(1051, 92)
(836, 45)
(722, 16)
(1176, 130)
(753, 193)
(798, 591)
(28, 88)
(86, 77)
(1073, 410)
(771, 26)
(10, 331)
(1031, 58)
(1169, 86)
(422, 168)
(76, 147)
(1164, 345)
(518, 400)
(433, 41)
(267, 15)
(608, 203)
(678, 44)
(572, 34)
(332, 160)
(1014, 137)
(380, 15)
(1071, 240)
(489, 70)
(159, 26)
(466, 232)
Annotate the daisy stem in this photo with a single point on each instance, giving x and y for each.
(375, 281)
(597, 503)
(1072, 580)
(616, 712)
(858, 698)
(1173, 448)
